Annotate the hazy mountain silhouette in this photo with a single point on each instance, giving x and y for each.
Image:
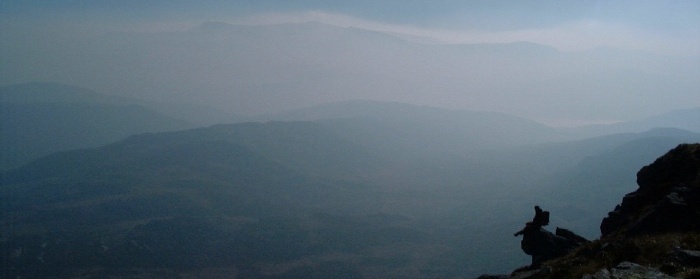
(421, 131)
(41, 118)
(228, 196)
(102, 186)
(686, 119)
(356, 190)
(250, 70)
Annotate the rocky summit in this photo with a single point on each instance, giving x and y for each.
(653, 233)
(668, 198)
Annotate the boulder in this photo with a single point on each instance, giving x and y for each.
(543, 245)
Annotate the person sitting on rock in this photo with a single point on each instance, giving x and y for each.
(543, 245)
(541, 219)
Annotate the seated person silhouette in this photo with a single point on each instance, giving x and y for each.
(541, 219)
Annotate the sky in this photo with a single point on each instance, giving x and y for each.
(658, 41)
(660, 26)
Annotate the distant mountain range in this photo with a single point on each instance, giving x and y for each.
(225, 196)
(363, 187)
(41, 118)
(472, 130)
(686, 119)
(422, 131)
(250, 70)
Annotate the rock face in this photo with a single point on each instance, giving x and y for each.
(668, 198)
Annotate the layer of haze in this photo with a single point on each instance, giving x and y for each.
(559, 62)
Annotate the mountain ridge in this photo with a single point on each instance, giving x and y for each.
(685, 119)
(247, 186)
(42, 118)
(252, 189)
(394, 125)
(245, 72)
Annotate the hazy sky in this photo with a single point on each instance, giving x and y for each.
(663, 26)
(657, 28)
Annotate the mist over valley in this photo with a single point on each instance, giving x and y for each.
(321, 145)
(345, 184)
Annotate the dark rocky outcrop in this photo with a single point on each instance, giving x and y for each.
(543, 245)
(668, 198)
(653, 233)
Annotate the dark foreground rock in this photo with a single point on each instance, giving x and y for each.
(668, 198)
(653, 233)
(627, 270)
